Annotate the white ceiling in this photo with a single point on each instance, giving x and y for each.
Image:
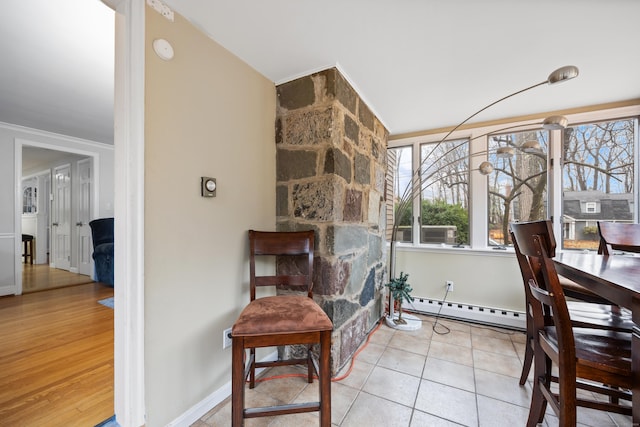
(36, 159)
(57, 67)
(419, 64)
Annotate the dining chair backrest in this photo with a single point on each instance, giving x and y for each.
(536, 245)
(527, 268)
(619, 236)
(294, 260)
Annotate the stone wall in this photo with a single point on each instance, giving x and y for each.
(331, 164)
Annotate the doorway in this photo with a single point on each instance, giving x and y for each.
(129, 137)
(60, 183)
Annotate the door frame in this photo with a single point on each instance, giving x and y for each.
(129, 313)
(24, 142)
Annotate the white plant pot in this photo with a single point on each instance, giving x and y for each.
(413, 323)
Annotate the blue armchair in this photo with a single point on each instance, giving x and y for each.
(102, 236)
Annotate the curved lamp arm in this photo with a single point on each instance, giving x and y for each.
(559, 75)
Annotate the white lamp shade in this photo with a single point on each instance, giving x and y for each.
(505, 152)
(555, 122)
(485, 168)
(531, 147)
(562, 74)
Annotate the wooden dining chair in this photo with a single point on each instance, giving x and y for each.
(582, 314)
(584, 358)
(618, 236)
(278, 320)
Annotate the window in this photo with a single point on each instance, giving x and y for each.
(597, 178)
(575, 176)
(518, 183)
(444, 195)
(30, 196)
(399, 171)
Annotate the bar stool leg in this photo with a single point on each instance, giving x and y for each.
(237, 382)
(324, 378)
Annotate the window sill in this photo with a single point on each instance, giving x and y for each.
(449, 249)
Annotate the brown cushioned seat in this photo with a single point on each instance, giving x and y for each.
(287, 314)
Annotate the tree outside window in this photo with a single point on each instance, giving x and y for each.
(518, 183)
(444, 201)
(598, 179)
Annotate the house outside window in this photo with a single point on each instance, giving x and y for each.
(598, 177)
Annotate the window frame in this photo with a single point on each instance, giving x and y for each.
(478, 197)
(458, 144)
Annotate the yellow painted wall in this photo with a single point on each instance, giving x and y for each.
(206, 114)
(481, 278)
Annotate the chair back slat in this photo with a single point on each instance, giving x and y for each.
(284, 280)
(294, 252)
(281, 243)
(618, 236)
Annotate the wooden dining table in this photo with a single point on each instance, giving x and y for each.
(616, 278)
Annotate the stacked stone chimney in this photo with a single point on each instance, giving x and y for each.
(331, 164)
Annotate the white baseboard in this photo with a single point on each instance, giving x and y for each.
(472, 313)
(201, 408)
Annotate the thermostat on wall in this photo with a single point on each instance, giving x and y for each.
(208, 187)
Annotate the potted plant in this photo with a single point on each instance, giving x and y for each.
(400, 291)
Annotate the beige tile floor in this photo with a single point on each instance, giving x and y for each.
(466, 377)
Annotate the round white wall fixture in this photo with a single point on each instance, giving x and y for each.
(163, 49)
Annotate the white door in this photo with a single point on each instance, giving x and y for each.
(61, 217)
(83, 231)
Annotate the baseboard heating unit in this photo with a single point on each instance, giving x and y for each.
(472, 313)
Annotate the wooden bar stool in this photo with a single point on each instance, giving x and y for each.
(29, 243)
(281, 320)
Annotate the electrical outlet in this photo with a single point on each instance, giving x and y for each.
(226, 338)
(449, 286)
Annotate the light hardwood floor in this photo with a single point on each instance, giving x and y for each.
(39, 277)
(56, 357)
